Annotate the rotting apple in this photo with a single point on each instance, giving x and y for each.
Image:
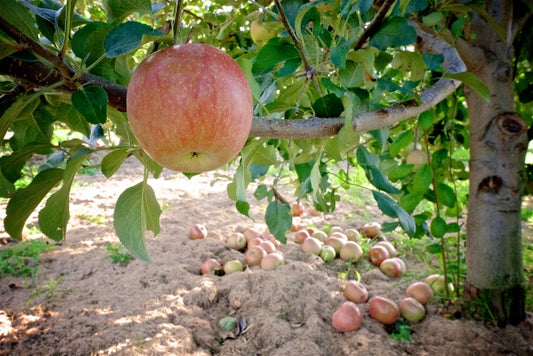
(272, 261)
(355, 291)
(350, 251)
(372, 229)
(197, 232)
(254, 255)
(377, 254)
(190, 107)
(327, 253)
(236, 241)
(347, 317)
(211, 266)
(420, 291)
(383, 310)
(233, 266)
(411, 309)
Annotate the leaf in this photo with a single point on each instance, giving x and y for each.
(401, 142)
(399, 172)
(426, 119)
(246, 66)
(67, 114)
(136, 211)
(433, 61)
(328, 106)
(422, 180)
(273, 53)
(20, 108)
(352, 75)
(126, 37)
(119, 9)
(438, 227)
(395, 32)
(261, 192)
(473, 82)
(113, 160)
(25, 200)
(435, 248)
(410, 201)
(389, 207)
(278, 219)
(91, 102)
(243, 207)
(18, 15)
(228, 323)
(53, 218)
(445, 195)
(6, 187)
(380, 181)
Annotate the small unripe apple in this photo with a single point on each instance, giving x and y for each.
(190, 107)
(233, 266)
(355, 291)
(384, 310)
(272, 261)
(327, 253)
(347, 318)
(211, 266)
(350, 251)
(262, 32)
(197, 232)
(372, 230)
(411, 309)
(417, 158)
(312, 245)
(377, 254)
(254, 255)
(391, 267)
(419, 291)
(236, 241)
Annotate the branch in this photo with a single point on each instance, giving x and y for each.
(35, 75)
(372, 28)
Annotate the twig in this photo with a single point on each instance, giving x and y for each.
(374, 24)
(177, 20)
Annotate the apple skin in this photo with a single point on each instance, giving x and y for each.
(347, 318)
(312, 245)
(190, 107)
(355, 291)
(300, 236)
(437, 284)
(272, 261)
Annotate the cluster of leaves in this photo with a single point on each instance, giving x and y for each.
(23, 259)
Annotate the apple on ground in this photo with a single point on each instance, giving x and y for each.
(254, 242)
(347, 317)
(355, 291)
(389, 246)
(419, 291)
(197, 232)
(335, 229)
(411, 309)
(312, 245)
(300, 236)
(391, 267)
(211, 266)
(251, 233)
(190, 107)
(272, 261)
(336, 242)
(236, 241)
(383, 310)
(233, 266)
(352, 234)
(297, 209)
(350, 251)
(254, 255)
(327, 253)
(321, 235)
(438, 284)
(377, 254)
(268, 246)
(372, 229)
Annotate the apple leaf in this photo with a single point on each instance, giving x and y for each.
(113, 160)
(274, 52)
(25, 200)
(91, 102)
(422, 180)
(391, 208)
(126, 37)
(53, 218)
(17, 14)
(473, 82)
(136, 211)
(278, 219)
(445, 195)
(438, 227)
(395, 32)
(119, 9)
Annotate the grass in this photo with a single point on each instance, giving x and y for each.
(118, 253)
(22, 260)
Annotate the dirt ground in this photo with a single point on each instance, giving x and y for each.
(168, 308)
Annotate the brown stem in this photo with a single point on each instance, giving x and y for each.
(372, 28)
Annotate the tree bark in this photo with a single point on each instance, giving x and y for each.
(498, 144)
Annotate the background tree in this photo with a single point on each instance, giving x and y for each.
(339, 87)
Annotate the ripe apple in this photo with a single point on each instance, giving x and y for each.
(391, 267)
(251, 233)
(336, 242)
(211, 266)
(419, 291)
(411, 309)
(377, 254)
(190, 107)
(254, 255)
(355, 291)
(312, 245)
(352, 234)
(321, 235)
(417, 158)
(350, 251)
(334, 229)
(339, 234)
(233, 266)
(197, 232)
(300, 236)
(254, 242)
(327, 253)
(272, 261)
(347, 318)
(372, 230)
(384, 310)
(390, 247)
(236, 241)
(268, 246)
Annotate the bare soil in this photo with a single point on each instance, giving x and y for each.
(168, 308)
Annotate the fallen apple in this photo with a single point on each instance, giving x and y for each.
(438, 284)
(411, 309)
(321, 235)
(377, 254)
(190, 107)
(254, 242)
(211, 266)
(336, 242)
(372, 230)
(300, 236)
(419, 291)
(312, 245)
(236, 241)
(391, 267)
(384, 310)
(340, 235)
(297, 209)
(268, 246)
(352, 235)
(335, 229)
(347, 317)
(254, 255)
(350, 251)
(233, 266)
(355, 291)
(272, 261)
(197, 232)
(251, 233)
(327, 253)
(389, 246)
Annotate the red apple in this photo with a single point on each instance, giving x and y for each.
(300, 236)
(390, 247)
(419, 291)
(347, 318)
(384, 310)
(377, 254)
(312, 245)
(251, 233)
(211, 266)
(411, 309)
(254, 242)
(355, 291)
(233, 266)
(391, 267)
(272, 261)
(190, 107)
(372, 230)
(351, 251)
(254, 255)
(327, 253)
(197, 232)
(236, 241)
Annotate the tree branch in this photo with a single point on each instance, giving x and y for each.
(372, 28)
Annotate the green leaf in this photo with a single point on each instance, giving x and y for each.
(473, 82)
(278, 219)
(91, 102)
(401, 142)
(435, 248)
(366, 158)
(445, 195)
(243, 207)
(433, 18)
(438, 227)
(25, 200)
(18, 15)
(352, 75)
(113, 160)
(395, 32)
(136, 211)
(328, 106)
(6, 187)
(389, 207)
(380, 181)
(410, 201)
(274, 52)
(461, 154)
(53, 218)
(399, 172)
(422, 180)
(126, 37)
(261, 192)
(19, 109)
(246, 66)
(426, 119)
(87, 42)
(118, 9)
(67, 114)
(433, 61)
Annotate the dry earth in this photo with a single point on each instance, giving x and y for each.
(168, 308)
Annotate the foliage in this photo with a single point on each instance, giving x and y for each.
(118, 254)
(23, 259)
(48, 291)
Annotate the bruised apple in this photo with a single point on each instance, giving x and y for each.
(190, 107)
(211, 266)
(347, 318)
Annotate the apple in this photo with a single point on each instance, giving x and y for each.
(233, 266)
(272, 238)
(372, 230)
(383, 310)
(211, 266)
(268, 246)
(401, 262)
(254, 255)
(300, 236)
(272, 261)
(377, 254)
(391, 267)
(350, 251)
(339, 234)
(417, 158)
(355, 291)
(411, 309)
(314, 212)
(262, 32)
(311, 230)
(251, 233)
(352, 234)
(347, 317)
(335, 229)
(438, 284)
(419, 291)
(236, 241)
(190, 107)
(336, 242)
(312, 245)
(390, 247)
(321, 235)
(297, 209)
(327, 253)
(254, 242)
(197, 232)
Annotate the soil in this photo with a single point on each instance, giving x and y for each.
(167, 307)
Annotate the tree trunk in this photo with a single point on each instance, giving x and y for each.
(498, 144)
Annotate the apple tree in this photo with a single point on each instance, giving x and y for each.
(430, 100)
